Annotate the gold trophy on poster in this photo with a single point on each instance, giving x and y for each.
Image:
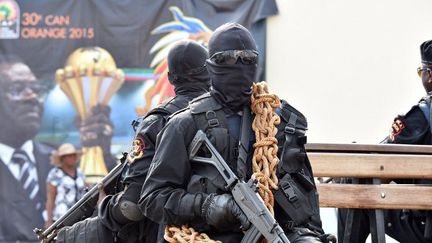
(90, 77)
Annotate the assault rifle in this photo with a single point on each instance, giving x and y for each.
(84, 207)
(244, 194)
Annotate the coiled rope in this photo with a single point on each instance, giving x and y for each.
(265, 160)
(185, 234)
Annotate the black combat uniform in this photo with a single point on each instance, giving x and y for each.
(178, 192)
(413, 128)
(406, 226)
(119, 213)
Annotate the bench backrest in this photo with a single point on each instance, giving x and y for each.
(381, 161)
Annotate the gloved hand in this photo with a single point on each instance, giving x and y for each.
(222, 212)
(97, 128)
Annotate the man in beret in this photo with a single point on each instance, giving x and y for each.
(414, 127)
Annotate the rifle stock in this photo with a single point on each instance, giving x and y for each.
(244, 194)
(84, 207)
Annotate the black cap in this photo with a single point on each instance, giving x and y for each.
(186, 58)
(231, 36)
(426, 52)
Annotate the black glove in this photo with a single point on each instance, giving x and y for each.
(97, 128)
(222, 212)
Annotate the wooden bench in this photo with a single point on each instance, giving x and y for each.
(369, 165)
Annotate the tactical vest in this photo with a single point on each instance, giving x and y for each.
(297, 194)
(296, 197)
(209, 117)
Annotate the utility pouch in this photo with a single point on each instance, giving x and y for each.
(293, 154)
(294, 200)
(304, 180)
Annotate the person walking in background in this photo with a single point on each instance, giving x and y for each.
(65, 182)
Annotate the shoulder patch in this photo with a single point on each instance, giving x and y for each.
(137, 152)
(397, 127)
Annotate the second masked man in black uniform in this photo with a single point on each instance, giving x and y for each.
(119, 213)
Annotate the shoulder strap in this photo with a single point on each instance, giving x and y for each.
(244, 141)
(207, 112)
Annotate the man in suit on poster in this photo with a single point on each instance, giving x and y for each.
(24, 163)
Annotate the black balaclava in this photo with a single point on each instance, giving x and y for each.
(186, 65)
(231, 83)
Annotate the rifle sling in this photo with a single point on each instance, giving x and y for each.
(244, 140)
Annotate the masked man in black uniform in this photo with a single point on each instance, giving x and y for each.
(177, 192)
(406, 226)
(119, 214)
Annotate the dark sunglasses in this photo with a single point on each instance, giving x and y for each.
(17, 89)
(422, 69)
(230, 57)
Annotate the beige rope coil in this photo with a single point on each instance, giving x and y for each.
(174, 234)
(264, 161)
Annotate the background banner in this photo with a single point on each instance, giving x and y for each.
(135, 37)
(45, 32)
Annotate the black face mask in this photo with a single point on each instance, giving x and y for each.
(232, 75)
(232, 84)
